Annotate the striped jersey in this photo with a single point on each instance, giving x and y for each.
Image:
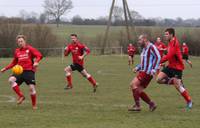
(150, 59)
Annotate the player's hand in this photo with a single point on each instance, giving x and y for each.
(3, 70)
(80, 57)
(153, 73)
(135, 70)
(36, 64)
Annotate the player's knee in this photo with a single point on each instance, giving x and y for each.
(32, 89)
(12, 80)
(67, 71)
(159, 80)
(133, 84)
(86, 75)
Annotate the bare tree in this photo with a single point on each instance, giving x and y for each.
(43, 18)
(23, 14)
(57, 8)
(118, 14)
(136, 15)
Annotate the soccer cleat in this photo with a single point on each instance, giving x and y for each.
(152, 106)
(189, 105)
(20, 100)
(134, 108)
(95, 87)
(68, 87)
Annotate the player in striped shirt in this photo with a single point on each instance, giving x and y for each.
(150, 59)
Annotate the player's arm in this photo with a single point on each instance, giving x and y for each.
(164, 47)
(12, 64)
(37, 55)
(157, 57)
(67, 51)
(170, 54)
(137, 68)
(178, 54)
(86, 51)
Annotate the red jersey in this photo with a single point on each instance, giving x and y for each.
(131, 50)
(25, 57)
(160, 46)
(185, 50)
(174, 56)
(77, 49)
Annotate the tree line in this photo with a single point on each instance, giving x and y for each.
(55, 10)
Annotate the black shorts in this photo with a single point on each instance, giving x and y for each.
(77, 67)
(185, 57)
(27, 76)
(170, 72)
(131, 56)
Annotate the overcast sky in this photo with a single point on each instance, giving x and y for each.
(96, 8)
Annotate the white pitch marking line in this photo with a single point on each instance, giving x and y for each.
(106, 73)
(11, 99)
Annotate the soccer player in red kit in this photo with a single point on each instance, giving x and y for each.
(28, 57)
(185, 52)
(172, 74)
(78, 51)
(160, 46)
(150, 60)
(131, 52)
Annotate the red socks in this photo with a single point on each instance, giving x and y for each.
(186, 96)
(145, 97)
(92, 80)
(17, 91)
(69, 80)
(136, 96)
(33, 99)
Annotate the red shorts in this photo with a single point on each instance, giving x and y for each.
(144, 79)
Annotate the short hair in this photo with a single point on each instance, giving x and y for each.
(171, 31)
(144, 36)
(74, 35)
(21, 36)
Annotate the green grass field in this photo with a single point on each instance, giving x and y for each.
(80, 108)
(84, 30)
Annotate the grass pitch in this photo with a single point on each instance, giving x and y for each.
(80, 108)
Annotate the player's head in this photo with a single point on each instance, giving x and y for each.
(21, 41)
(130, 44)
(169, 33)
(184, 43)
(74, 38)
(158, 40)
(142, 39)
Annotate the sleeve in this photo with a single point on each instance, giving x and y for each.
(13, 63)
(156, 55)
(37, 55)
(164, 46)
(67, 50)
(178, 54)
(170, 53)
